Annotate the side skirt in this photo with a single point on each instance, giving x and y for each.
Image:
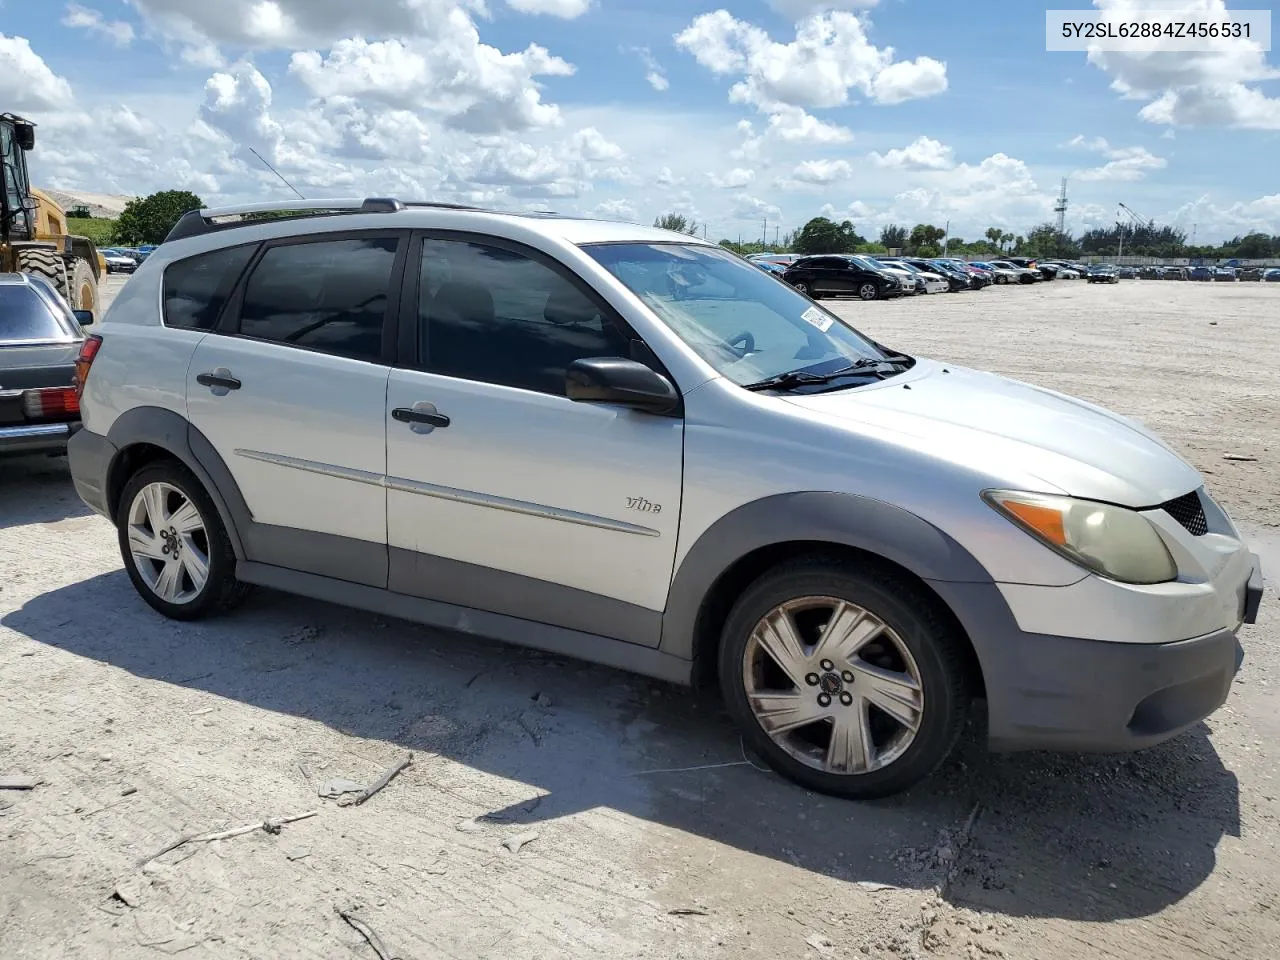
(496, 626)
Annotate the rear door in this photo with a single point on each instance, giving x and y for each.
(291, 391)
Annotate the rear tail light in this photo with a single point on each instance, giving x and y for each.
(88, 350)
(51, 403)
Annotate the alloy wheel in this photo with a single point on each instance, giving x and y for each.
(168, 543)
(833, 685)
(867, 291)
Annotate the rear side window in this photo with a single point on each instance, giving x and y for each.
(330, 296)
(196, 289)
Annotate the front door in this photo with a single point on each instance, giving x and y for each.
(504, 495)
(292, 395)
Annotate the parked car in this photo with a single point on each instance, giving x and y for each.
(1250, 273)
(1103, 273)
(929, 281)
(979, 277)
(578, 463)
(1227, 274)
(1201, 273)
(1063, 271)
(908, 279)
(1023, 274)
(40, 339)
(957, 279)
(769, 266)
(1046, 271)
(1000, 275)
(1272, 275)
(1127, 273)
(841, 276)
(118, 261)
(1149, 272)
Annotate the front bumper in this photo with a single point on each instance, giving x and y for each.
(1066, 693)
(35, 438)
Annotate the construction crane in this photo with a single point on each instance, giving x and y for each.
(1137, 221)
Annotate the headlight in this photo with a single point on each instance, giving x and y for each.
(1112, 541)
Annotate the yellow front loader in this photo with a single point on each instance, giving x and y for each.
(33, 229)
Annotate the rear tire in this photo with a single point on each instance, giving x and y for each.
(174, 546)
(82, 286)
(873, 696)
(47, 264)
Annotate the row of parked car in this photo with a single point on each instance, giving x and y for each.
(880, 277)
(125, 259)
(1206, 273)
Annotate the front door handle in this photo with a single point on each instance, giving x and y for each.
(429, 417)
(218, 379)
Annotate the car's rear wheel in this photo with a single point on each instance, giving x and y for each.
(846, 679)
(868, 291)
(175, 548)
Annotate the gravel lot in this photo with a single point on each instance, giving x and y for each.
(655, 837)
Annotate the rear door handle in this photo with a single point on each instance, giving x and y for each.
(218, 378)
(409, 415)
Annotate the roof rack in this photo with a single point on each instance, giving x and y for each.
(197, 222)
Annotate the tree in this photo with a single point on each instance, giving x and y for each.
(1044, 240)
(677, 222)
(1005, 240)
(893, 236)
(1255, 246)
(924, 234)
(821, 235)
(995, 236)
(149, 220)
(928, 250)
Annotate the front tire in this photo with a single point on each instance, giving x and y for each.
(868, 291)
(845, 678)
(175, 548)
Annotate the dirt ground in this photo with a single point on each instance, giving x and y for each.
(648, 832)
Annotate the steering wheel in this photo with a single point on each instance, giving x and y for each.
(746, 339)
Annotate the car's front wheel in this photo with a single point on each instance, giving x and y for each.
(868, 291)
(844, 678)
(175, 548)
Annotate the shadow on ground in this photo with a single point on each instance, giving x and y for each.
(1053, 832)
(37, 489)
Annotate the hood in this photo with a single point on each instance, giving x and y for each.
(1008, 430)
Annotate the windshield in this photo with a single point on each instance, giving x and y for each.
(26, 318)
(743, 322)
(903, 265)
(866, 263)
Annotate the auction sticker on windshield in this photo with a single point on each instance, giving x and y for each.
(817, 318)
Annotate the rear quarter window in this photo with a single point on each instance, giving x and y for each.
(26, 318)
(197, 288)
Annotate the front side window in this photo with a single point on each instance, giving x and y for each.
(196, 289)
(497, 316)
(742, 322)
(329, 296)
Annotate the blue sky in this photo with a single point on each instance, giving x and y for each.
(893, 111)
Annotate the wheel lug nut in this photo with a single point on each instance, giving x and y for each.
(828, 665)
(811, 679)
(824, 700)
(846, 698)
(848, 676)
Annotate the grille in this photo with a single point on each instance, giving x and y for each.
(1188, 511)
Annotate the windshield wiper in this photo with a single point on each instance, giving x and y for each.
(867, 366)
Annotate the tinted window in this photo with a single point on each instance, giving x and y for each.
(24, 316)
(196, 289)
(497, 316)
(330, 296)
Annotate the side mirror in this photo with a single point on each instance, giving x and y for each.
(24, 135)
(625, 382)
(83, 317)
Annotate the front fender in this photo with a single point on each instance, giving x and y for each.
(839, 519)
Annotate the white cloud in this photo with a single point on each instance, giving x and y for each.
(564, 9)
(82, 18)
(26, 82)
(735, 179)
(1253, 216)
(746, 207)
(654, 74)
(923, 153)
(592, 145)
(1124, 163)
(1198, 89)
(822, 171)
(475, 87)
(796, 126)
(615, 210)
(665, 177)
(830, 56)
